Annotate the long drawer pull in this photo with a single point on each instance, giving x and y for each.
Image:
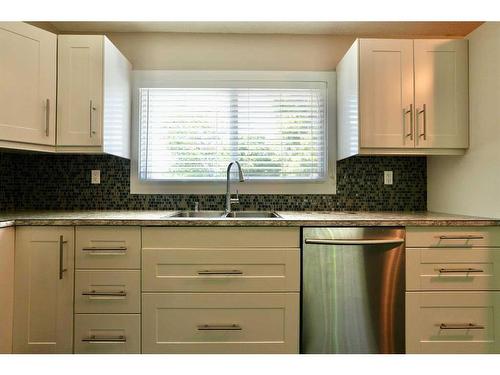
(460, 326)
(219, 327)
(457, 270)
(103, 339)
(461, 237)
(121, 293)
(116, 248)
(220, 272)
(354, 242)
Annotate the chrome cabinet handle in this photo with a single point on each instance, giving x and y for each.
(220, 272)
(460, 326)
(354, 242)
(102, 339)
(61, 257)
(405, 112)
(460, 270)
(115, 248)
(461, 237)
(219, 327)
(91, 111)
(47, 117)
(424, 128)
(121, 293)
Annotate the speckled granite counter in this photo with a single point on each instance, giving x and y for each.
(288, 218)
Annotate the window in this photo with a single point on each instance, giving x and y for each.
(188, 130)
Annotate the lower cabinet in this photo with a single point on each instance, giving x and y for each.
(107, 333)
(44, 274)
(453, 322)
(220, 322)
(6, 288)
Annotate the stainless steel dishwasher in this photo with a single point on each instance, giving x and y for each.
(353, 288)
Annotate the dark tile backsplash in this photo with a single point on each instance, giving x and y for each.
(62, 182)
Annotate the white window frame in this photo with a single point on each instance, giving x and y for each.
(176, 78)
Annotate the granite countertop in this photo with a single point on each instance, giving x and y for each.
(288, 218)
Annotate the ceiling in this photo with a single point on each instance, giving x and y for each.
(374, 29)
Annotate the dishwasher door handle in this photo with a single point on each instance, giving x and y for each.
(354, 242)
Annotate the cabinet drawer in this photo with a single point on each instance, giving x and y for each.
(226, 237)
(452, 322)
(453, 269)
(108, 247)
(108, 291)
(108, 333)
(453, 237)
(220, 323)
(221, 270)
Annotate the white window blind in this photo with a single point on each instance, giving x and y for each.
(191, 134)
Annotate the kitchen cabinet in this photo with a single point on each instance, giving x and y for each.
(452, 290)
(93, 111)
(27, 87)
(108, 290)
(6, 288)
(403, 97)
(220, 290)
(43, 305)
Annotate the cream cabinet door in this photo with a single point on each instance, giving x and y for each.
(386, 93)
(6, 288)
(27, 84)
(452, 322)
(43, 303)
(441, 93)
(80, 90)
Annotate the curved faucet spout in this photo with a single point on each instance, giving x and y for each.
(230, 200)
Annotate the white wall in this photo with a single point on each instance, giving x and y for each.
(470, 184)
(191, 51)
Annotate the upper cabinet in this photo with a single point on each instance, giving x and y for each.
(403, 97)
(93, 111)
(93, 92)
(27, 85)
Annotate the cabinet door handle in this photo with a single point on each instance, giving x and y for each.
(91, 112)
(220, 272)
(460, 326)
(219, 327)
(61, 257)
(406, 112)
(424, 128)
(116, 250)
(47, 117)
(120, 293)
(103, 339)
(461, 237)
(460, 270)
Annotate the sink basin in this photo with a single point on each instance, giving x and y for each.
(253, 214)
(231, 215)
(209, 214)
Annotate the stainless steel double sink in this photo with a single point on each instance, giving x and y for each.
(224, 215)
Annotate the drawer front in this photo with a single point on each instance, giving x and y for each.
(108, 291)
(108, 247)
(107, 333)
(453, 269)
(453, 237)
(452, 322)
(224, 270)
(220, 323)
(226, 237)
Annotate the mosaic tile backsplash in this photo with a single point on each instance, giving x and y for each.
(62, 182)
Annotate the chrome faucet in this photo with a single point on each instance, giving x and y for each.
(230, 200)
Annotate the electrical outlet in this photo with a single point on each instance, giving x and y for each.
(95, 176)
(387, 177)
